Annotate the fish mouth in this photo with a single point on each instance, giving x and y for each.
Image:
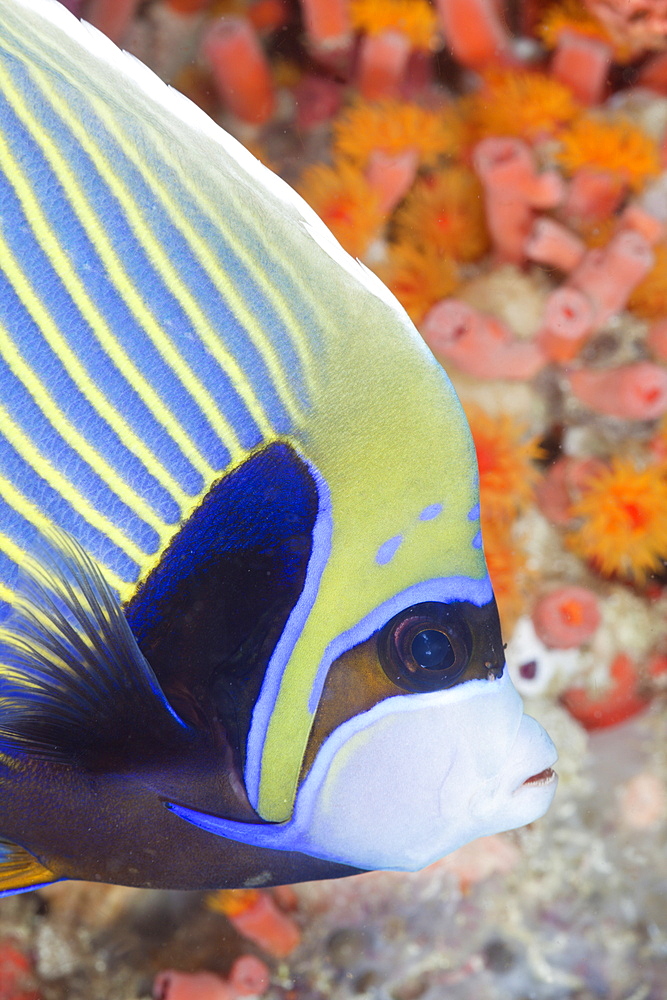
(544, 777)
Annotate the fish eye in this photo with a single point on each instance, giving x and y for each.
(432, 650)
(426, 647)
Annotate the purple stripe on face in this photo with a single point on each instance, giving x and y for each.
(388, 550)
(477, 541)
(442, 590)
(266, 701)
(428, 513)
(473, 513)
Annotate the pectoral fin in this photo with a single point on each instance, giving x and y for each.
(20, 871)
(73, 681)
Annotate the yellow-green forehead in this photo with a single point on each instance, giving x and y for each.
(390, 438)
(391, 442)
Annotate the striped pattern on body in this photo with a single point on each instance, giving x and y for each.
(150, 338)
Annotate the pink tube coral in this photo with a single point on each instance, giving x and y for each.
(608, 276)
(113, 17)
(653, 74)
(632, 392)
(317, 100)
(265, 924)
(567, 617)
(383, 61)
(240, 69)
(568, 321)
(592, 195)
(474, 32)
(582, 64)
(327, 22)
(640, 221)
(249, 977)
(657, 340)
(555, 245)
(512, 189)
(479, 344)
(391, 176)
(562, 485)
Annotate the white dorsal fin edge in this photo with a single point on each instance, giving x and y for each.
(173, 106)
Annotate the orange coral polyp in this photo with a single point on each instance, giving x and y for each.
(445, 211)
(623, 529)
(521, 103)
(420, 278)
(416, 19)
(506, 458)
(393, 126)
(345, 201)
(570, 15)
(649, 299)
(506, 563)
(616, 146)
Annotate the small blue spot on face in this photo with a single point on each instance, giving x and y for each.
(473, 513)
(387, 550)
(477, 541)
(428, 513)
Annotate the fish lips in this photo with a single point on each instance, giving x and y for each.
(525, 786)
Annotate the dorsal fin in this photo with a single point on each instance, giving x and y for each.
(20, 871)
(73, 681)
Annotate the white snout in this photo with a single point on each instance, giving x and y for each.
(419, 775)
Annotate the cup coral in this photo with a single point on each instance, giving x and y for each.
(522, 103)
(415, 19)
(445, 211)
(420, 277)
(394, 126)
(618, 147)
(344, 199)
(622, 528)
(506, 456)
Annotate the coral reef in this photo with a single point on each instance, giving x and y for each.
(511, 188)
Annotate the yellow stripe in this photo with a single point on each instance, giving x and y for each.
(156, 254)
(6, 594)
(119, 277)
(28, 510)
(211, 264)
(25, 446)
(201, 251)
(87, 308)
(64, 427)
(78, 373)
(255, 331)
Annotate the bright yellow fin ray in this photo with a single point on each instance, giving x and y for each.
(19, 869)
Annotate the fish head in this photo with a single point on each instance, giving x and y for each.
(444, 755)
(387, 731)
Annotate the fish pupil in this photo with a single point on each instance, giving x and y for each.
(432, 650)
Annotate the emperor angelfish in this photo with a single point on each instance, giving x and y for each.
(248, 634)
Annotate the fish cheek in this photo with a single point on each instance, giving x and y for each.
(381, 667)
(355, 682)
